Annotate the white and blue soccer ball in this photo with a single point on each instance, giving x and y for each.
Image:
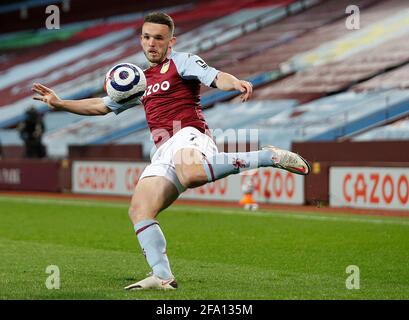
(125, 82)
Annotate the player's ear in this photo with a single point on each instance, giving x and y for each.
(172, 42)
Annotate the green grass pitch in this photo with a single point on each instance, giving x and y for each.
(215, 253)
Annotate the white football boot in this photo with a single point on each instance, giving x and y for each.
(289, 161)
(153, 282)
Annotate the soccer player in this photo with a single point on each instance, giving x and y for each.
(186, 155)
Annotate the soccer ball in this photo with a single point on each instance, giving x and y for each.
(124, 82)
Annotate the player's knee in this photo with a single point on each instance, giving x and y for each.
(133, 212)
(137, 212)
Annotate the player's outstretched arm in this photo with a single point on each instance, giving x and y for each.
(90, 107)
(226, 81)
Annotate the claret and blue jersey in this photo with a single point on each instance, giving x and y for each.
(172, 96)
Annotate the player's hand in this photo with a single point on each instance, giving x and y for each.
(246, 88)
(46, 95)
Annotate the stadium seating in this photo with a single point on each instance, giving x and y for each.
(94, 130)
(78, 71)
(336, 76)
(398, 130)
(288, 49)
(333, 117)
(267, 48)
(397, 78)
(131, 127)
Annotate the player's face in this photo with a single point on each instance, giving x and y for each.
(156, 40)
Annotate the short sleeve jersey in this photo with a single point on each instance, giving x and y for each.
(172, 96)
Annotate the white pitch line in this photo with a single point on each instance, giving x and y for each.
(65, 202)
(302, 216)
(290, 215)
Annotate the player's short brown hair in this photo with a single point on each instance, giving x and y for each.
(161, 18)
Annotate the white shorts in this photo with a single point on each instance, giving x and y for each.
(162, 161)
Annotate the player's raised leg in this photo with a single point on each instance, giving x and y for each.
(194, 169)
(151, 196)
